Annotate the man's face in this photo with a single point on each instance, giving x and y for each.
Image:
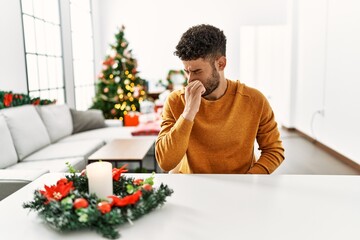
(205, 71)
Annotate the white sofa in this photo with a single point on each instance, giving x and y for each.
(37, 140)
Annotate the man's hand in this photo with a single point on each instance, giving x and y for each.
(193, 92)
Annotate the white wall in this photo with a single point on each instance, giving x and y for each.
(341, 129)
(12, 58)
(265, 65)
(329, 73)
(310, 70)
(153, 28)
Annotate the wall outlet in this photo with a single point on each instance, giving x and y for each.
(321, 112)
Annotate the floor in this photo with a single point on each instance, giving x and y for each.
(301, 157)
(304, 157)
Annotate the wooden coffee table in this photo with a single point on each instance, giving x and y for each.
(124, 150)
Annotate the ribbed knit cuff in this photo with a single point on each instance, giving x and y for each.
(257, 169)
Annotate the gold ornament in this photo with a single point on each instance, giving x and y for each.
(106, 90)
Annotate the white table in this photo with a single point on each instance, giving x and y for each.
(220, 207)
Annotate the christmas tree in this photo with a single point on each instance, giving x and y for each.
(119, 89)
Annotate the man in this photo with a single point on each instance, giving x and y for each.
(211, 125)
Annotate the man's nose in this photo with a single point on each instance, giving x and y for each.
(190, 77)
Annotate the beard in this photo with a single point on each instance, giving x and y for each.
(212, 82)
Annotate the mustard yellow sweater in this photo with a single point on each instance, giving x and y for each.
(221, 137)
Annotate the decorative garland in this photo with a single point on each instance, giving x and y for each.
(68, 206)
(10, 99)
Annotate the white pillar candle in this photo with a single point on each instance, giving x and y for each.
(99, 176)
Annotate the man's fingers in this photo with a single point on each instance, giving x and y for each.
(194, 85)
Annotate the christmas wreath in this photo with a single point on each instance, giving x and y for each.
(171, 76)
(68, 206)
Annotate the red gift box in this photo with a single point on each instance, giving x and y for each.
(131, 119)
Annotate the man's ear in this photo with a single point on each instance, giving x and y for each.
(221, 62)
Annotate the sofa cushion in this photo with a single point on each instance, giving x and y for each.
(66, 150)
(106, 134)
(8, 154)
(53, 165)
(57, 119)
(87, 120)
(27, 130)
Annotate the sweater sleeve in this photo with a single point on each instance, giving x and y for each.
(173, 139)
(268, 138)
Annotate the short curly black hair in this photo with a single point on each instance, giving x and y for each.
(201, 41)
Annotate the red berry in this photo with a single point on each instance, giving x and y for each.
(80, 203)
(104, 207)
(147, 187)
(138, 181)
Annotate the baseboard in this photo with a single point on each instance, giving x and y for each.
(327, 149)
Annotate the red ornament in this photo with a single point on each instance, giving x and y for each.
(8, 99)
(113, 111)
(138, 181)
(109, 62)
(147, 187)
(80, 203)
(104, 207)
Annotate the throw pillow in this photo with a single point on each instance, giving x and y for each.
(27, 130)
(87, 120)
(57, 119)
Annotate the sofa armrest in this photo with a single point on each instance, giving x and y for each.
(11, 175)
(13, 180)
